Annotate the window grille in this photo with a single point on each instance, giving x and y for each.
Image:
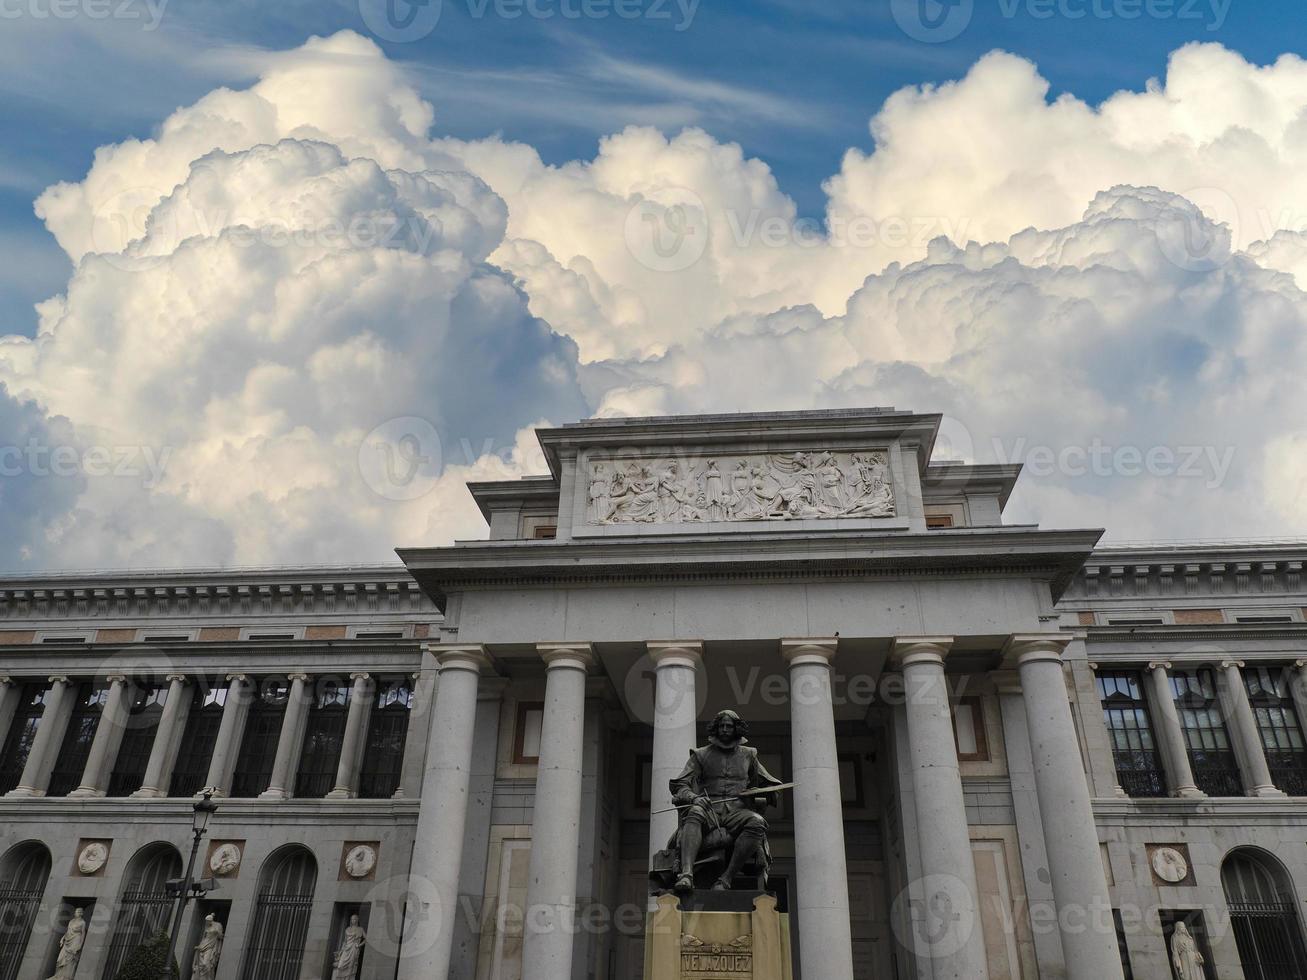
(1264, 918)
(383, 758)
(1279, 726)
(144, 905)
(71, 763)
(1130, 727)
(23, 875)
(280, 925)
(21, 735)
(201, 734)
(323, 735)
(1216, 771)
(138, 740)
(259, 744)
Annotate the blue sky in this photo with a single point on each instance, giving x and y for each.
(794, 83)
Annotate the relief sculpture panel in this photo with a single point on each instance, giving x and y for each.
(753, 487)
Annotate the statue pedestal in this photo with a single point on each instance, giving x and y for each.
(717, 936)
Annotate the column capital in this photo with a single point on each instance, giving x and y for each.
(298, 675)
(574, 656)
(1022, 648)
(1162, 664)
(1227, 664)
(6, 680)
(116, 678)
(909, 650)
(1300, 664)
(813, 650)
(360, 675)
(676, 653)
(459, 656)
(180, 678)
(59, 679)
(238, 678)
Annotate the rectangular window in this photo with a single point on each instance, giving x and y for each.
(939, 520)
(323, 735)
(1127, 972)
(138, 739)
(71, 764)
(259, 744)
(526, 739)
(545, 532)
(1130, 727)
(969, 730)
(201, 734)
(1280, 727)
(383, 758)
(21, 735)
(1216, 771)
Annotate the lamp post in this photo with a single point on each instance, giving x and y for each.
(204, 809)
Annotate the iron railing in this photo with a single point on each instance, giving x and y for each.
(18, 908)
(1269, 940)
(281, 926)
(141, 914)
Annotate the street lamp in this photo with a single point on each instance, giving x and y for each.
(183, 888)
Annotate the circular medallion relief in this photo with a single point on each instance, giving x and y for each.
(92, 858)
(225, 859)
(1169, 865)
(360, 860)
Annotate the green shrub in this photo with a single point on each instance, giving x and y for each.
(145, 962)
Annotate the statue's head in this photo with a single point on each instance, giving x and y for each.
(727, 729)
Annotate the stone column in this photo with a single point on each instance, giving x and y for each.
(1175, 751)
(49, 733)
(823, 882)
(108, 737)
(1243, 729)
(421, 701)
(556, 825)
(442, 816)
(949, 870)
(1297, 680)
(227, 746)
(167, 739)
(351, 746)
(290, 740)
(1075, 861)
(10, 692)
(675, 712)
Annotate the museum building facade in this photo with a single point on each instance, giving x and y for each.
(1015, 753)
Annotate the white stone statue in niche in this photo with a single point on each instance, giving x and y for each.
(70, 947)
(345, 964)
(755, 487)
(1186, 959)
(204, 965)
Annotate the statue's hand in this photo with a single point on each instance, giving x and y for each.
(684, 797)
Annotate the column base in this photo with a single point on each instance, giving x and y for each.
(86, 792)
(213, 791)
(25, 792)
(272, 793)
(340, 793)
(1268, 792)
(148, 793)
(1190, 793)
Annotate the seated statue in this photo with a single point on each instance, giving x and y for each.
(717, 823)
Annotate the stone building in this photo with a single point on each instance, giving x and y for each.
(1017, 754)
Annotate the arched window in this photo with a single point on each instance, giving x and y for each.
(23, 874)
(144, 904)
(1263, 916)
(281, 916)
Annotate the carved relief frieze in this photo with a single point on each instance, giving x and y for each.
(740, 487)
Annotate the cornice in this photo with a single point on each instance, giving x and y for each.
(773, 554)
(1206, 633)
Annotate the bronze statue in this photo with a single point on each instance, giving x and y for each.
(722, 795)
